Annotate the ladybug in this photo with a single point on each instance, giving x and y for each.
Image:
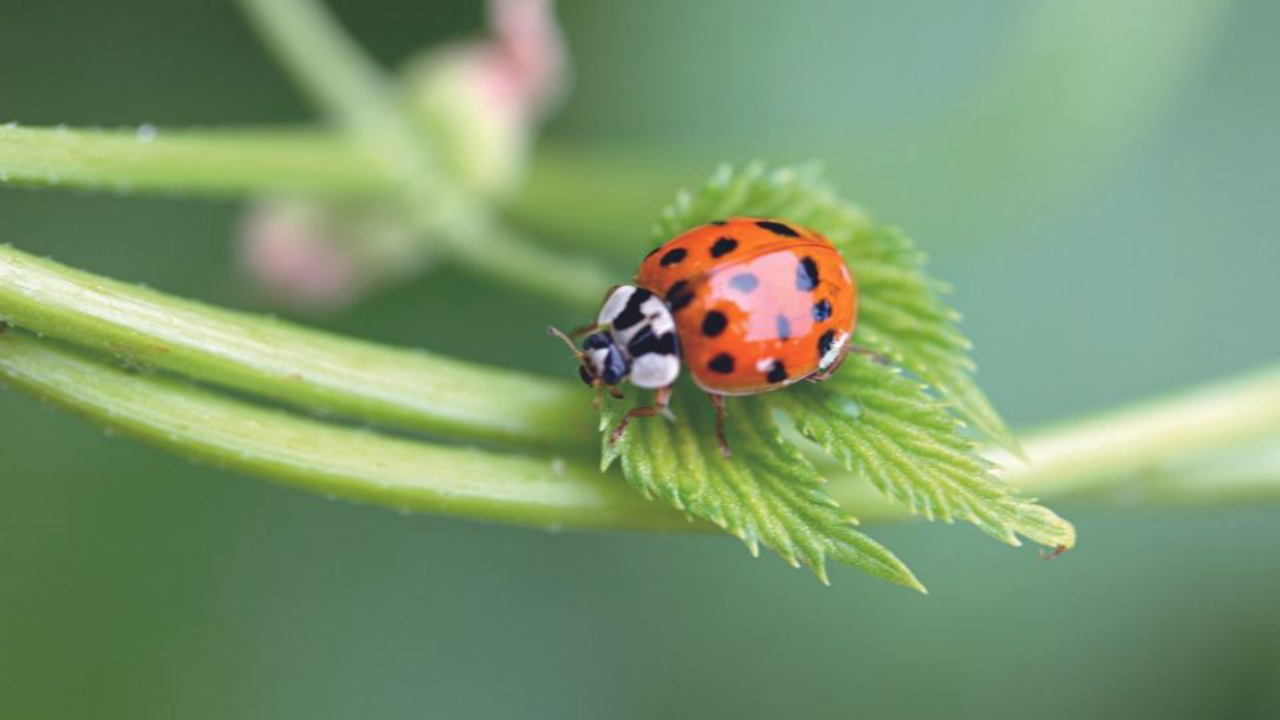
(750, 305)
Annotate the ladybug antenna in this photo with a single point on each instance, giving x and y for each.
(555, 332)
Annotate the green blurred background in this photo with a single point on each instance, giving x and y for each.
(1098, 179)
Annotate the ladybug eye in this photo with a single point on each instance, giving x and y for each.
(585, 374)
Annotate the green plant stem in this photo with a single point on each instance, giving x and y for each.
(1159, 441)
(384, 158)
(1100, 95)
(239, 162)
(344, 82)
(1216, 444)
(341, 462)
(288, 363)
(205, 162)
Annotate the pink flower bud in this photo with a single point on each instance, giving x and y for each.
(287, 248)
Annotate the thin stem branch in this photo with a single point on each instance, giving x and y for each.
(289, 363)
(348, 85)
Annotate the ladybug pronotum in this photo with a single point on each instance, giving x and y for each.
(750, 305)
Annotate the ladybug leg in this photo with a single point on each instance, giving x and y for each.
(660, 400)
(600, 388)
(1051, 554)
(717, 402)
(850, 347)
(867, 352)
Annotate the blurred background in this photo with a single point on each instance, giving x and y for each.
(1096, 178)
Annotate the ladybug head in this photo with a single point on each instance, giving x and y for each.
(633, 339)
(603, 360)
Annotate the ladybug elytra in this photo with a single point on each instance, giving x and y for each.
(750, 305)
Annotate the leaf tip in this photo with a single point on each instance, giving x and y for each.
(820, 570)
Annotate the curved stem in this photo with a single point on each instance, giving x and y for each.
(1203, 447)
(289, 363)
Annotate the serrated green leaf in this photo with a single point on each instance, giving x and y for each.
(903, 412)
(881, 425)
(768, 492)
(902, 316)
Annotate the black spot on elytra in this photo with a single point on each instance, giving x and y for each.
(723, 246)
(631, 314)
(784, 327)
(722, 363)
(778, 228)
(777, 372)
(746, 282)
(679, 295)
(821, 310)
(714, 323)
(824, 343)
(807, 274)
(673, 256)
(646, 342)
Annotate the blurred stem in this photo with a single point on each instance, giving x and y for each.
(1170, 451)
(347, 84)
(1058, 108)
(566, 196)
(1158, 441)
(288, 363)
(214, 162)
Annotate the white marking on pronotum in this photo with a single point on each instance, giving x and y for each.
(652, 370)
(649, 370)
(614, 305)
(658, 315)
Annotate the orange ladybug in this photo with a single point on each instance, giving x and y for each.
(751, 305)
